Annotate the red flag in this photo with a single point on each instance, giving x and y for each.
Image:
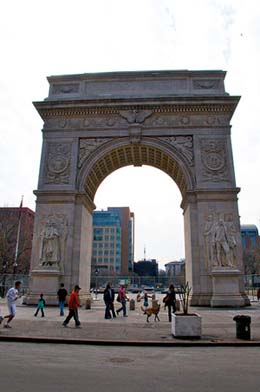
(20, 209)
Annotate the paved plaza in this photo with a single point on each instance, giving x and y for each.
(218, 326)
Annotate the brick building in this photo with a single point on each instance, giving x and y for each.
(9, 224)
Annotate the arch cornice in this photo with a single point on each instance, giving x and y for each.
(176, 105)
(118, 153)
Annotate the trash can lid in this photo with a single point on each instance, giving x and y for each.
(242, 317)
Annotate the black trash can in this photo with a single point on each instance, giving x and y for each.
(243, 326)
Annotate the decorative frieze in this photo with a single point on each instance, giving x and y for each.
(57, 166)
(66, 88)
(206, 84)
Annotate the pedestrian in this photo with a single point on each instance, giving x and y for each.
(109, 297)
(170, 301)
(1, 319)
(62, 294)
(40, 306)
(11, 296)
(122, 297)
(73, 307)
(258, 294)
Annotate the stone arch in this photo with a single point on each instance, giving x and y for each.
(177, 121)
(119, 153)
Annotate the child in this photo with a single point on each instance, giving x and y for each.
(41, 304)
(145, 304)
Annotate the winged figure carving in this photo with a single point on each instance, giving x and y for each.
(135, 116)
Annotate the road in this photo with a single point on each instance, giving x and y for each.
(61, 368)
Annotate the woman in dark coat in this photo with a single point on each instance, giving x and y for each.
(169, 301)
(109, 297)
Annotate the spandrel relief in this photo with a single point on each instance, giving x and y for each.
(52, 238)
(184, 144)
(87, 146)
(220, 241)
(57, 168)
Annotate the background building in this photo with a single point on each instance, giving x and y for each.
(175, 270)
(146, 267)
(251, 254)
(250, 236)
(113, 240)
(9, 226)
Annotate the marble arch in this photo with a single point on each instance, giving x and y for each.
(177, 121)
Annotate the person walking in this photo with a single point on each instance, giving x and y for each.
(40, 306)
(109, 297)
(122, 298)
(11, 296)
(170, 301)
(62, 294)
(73, 307)
(1, 319)
(258, 294)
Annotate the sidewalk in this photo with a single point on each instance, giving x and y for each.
(218, 327)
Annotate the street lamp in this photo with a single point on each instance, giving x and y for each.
(96, 275)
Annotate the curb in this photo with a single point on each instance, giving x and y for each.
(99, 342)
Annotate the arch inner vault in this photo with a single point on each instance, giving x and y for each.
(176, 121)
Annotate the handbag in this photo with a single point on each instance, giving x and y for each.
(166, 299)
(118, 298)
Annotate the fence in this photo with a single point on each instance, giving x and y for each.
(252, 282)
(136, 282)
(8, 280)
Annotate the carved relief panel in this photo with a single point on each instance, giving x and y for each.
(214, 160)
(57, 163)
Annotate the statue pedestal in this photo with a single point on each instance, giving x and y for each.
(226, 290)
(45, 281)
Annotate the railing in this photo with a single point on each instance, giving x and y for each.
(8, 280)
(136, 282)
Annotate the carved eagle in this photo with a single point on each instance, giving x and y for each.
(135, 116)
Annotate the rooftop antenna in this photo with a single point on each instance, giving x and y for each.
(144, 253)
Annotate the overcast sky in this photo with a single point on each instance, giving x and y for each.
(54, 37)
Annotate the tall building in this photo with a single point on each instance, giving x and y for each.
(9, 239)
(249, 235)
(113, 240)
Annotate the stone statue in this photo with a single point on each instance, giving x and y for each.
(222, 245)
(232, 240)
(209, 238)
(50, 244)
(220, 241)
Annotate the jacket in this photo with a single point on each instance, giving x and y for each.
(109, 295)
(74, 300)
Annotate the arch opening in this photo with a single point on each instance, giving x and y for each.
(136, 155)
(155, 200)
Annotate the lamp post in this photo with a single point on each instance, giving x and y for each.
(96, 275)
(4, 271)
(14, 268)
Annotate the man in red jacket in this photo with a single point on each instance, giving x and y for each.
(73, 307)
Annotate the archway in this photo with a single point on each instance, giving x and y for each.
(177, 121)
